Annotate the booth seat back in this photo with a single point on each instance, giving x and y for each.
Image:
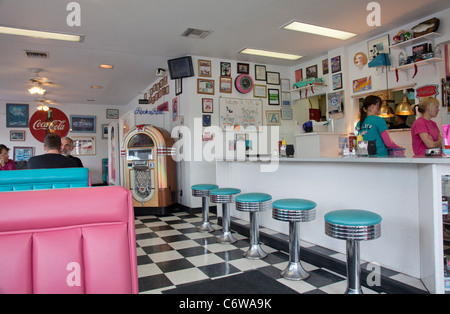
(68, 241)
(44, 179)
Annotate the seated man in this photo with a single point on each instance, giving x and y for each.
(52, 158)
(66, 149)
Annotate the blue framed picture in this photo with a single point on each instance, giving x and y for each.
(17, 115)
(83, 124)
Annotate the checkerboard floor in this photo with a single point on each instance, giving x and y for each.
(172, 253)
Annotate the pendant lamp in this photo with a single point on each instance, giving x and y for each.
(386, 111)
(404, 109)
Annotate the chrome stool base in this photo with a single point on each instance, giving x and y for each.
(206, 227)
(255, 252)
(295, 271)
(226, 238)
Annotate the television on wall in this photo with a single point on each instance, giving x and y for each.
(181, 68)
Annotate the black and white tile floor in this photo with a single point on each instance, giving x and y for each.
(171, 253)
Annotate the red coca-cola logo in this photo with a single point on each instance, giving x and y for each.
(427, 91)
(39, 126)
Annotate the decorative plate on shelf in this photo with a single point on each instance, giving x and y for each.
(244, 84)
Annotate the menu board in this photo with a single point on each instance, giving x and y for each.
(243, 112)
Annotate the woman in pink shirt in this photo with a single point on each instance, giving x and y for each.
(5, 162)
(425, 132)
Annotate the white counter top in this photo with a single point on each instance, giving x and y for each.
(392, 160)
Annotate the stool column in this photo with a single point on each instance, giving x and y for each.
(353, 268)
(294, 270)
(226, 236)
(206, 225)
(255, 251)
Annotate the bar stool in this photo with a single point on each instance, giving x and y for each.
(353, 226)
(202, 190)
(254, 203)
(294, 211)
(225, 196)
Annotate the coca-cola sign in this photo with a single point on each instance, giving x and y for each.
(40, 125)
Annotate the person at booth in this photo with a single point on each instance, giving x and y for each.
(52, 157)
(5, 162)
(66, 150)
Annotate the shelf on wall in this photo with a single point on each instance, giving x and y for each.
(307, 87)
(419, 63)
(426, 37)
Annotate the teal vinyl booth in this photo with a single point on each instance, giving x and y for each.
(44, 179)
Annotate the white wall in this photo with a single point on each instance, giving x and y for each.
(94, 163)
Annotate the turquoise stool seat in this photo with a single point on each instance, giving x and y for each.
(353, 226)
(254, 203)
(203, 190)
(225, 196)
(294, 211)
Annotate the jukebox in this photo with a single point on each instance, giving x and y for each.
(149, 170)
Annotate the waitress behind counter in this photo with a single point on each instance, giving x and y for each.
(374, 128)
(425, 132)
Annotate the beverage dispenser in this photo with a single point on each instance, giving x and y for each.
(149, 169)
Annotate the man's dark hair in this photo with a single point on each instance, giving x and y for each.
(52, 141)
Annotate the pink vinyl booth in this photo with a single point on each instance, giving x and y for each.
(68, 241)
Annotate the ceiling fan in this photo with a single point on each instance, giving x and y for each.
(43, 104)
(38, 82)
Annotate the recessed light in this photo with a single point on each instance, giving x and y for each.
(318, 30)
(106, 66)
(96, 87)
(270, 54)
(40, 34)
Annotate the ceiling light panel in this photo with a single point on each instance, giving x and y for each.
(40, 34)
(318, 30)
(270, 54)
(106, 66)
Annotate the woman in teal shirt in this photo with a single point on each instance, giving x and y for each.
(374, 128)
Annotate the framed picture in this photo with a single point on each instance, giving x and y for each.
(260, 73)
(23, 153)
(225, 69)
(377, 46)
(274, 97)
(243, 68)
(205, 86)
(83, 124)
(178, 86)
(336, 64)
(260, 91)
(273, 78)
(206, 120)
(285, 85)
(337, 81)
(104, 131)
(204, 68)
(112, 113)
(226, 84)
(311, 71)
(273, 117)
(286, 114)
(286, 99)
(84, 146)
(325, 67)
(207, 105)
(17, 136)
(17, 115)
(298, 75)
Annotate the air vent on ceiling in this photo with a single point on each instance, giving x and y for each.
(36, 54)
(196, 33)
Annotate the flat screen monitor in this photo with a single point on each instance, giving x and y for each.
(181, 68)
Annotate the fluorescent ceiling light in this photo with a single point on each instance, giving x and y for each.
(39, 34)
(318, 30)
(96, 87)
(270, 54)
(106, 66)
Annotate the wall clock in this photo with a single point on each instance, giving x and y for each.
(244, 84)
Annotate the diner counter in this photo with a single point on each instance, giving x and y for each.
(406, 192)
